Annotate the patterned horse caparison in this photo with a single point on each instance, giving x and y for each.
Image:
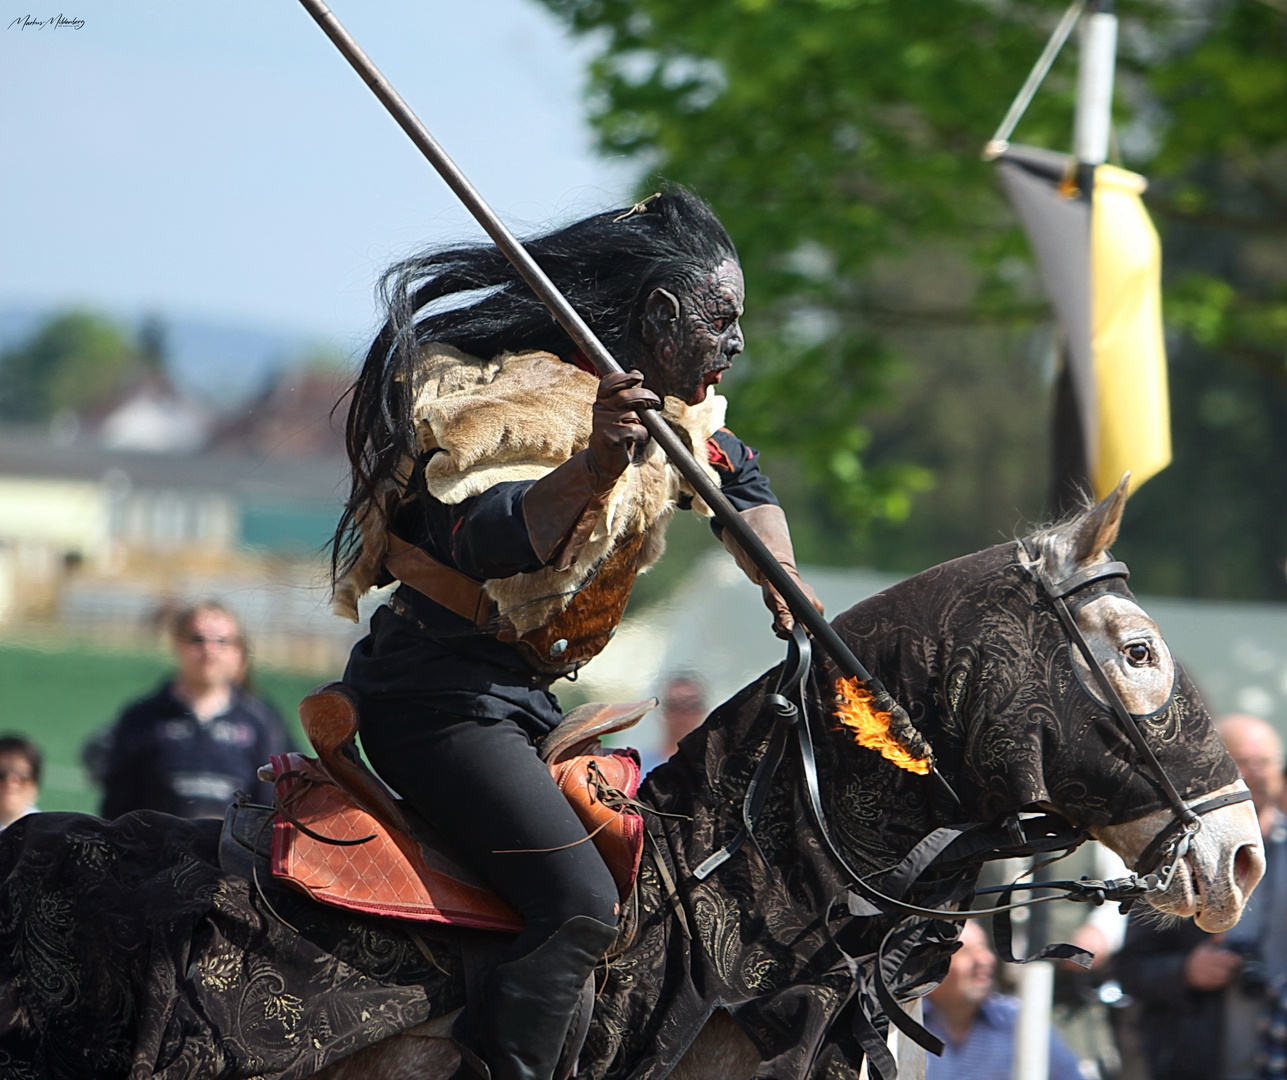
(125, 950)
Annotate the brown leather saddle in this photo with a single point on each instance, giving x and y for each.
(341, 837)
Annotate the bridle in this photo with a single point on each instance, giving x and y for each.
(1156, 867)
(1032, 834)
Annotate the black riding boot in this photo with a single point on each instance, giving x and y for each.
(528, 1003)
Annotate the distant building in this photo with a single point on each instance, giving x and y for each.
(107, 521)
(153, 417)
(291, 418)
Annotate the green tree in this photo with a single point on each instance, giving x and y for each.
(1215, 523)
(70, 362)
(835, 138)
(897, 343)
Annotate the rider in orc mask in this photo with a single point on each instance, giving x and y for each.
(515, 495)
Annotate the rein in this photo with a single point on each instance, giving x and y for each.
(1037, 834)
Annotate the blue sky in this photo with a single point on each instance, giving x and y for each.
(222, 159)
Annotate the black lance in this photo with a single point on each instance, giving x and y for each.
(593, 348)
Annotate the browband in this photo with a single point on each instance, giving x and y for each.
(1059, 589)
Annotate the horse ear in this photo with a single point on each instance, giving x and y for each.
(1098, 529)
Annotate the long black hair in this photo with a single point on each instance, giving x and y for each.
(606, 265)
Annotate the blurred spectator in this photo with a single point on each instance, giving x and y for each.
(200, 738)
(20, 762)
(1084, 1020)
(1080, 1012)
(1273, 1058)
(976, 1023)
(1204, 996)
(683, 708)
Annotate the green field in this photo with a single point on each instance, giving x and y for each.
(61, 696)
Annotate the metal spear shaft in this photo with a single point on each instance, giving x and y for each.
(588, 343)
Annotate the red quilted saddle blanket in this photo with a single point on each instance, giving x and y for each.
(392, 874)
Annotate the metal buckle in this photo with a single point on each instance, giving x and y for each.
(1176, 850)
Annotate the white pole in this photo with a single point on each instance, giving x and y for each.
(999, 142)
(908, 1056)
(1095, 84)
(1032, 1032)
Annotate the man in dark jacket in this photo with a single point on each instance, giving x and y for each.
(1204, 994)
(189, 747)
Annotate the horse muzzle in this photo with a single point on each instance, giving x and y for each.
(1214, 878)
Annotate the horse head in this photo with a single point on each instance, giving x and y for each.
(977, 652)
(1226, 856)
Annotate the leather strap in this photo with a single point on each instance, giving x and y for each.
(1152, 855)
(813, 791)
(1124, 717)
(794, 669)
(450, 588)
(561, 509)
(1073, 582)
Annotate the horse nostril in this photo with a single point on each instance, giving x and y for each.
(1248, 866)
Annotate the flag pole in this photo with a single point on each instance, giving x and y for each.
(1095, 70)
(1092, 127)
(1072, 445)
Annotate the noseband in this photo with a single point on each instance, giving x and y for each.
(1155, 869)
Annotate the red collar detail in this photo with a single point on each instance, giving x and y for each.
(583, 362)
(716, 456)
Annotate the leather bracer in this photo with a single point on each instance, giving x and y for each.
(562, 508)
(769, 523)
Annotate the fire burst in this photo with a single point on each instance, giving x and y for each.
(871, 727)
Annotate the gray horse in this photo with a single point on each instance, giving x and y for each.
(125, 946)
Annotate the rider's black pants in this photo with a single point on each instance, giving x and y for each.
(481, 784)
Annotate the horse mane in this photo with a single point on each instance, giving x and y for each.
(1065, 522)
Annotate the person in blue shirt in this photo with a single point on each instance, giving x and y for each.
(977, 1024)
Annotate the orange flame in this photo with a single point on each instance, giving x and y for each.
(871, 728)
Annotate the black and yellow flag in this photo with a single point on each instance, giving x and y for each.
(1101, 263)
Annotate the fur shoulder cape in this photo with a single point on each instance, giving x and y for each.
(518, 417)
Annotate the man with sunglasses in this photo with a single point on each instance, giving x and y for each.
(201, 737)
(20, 761)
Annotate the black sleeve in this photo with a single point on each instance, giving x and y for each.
(483, 537)
(738, 466)
(1179, 1028)
(1150, 964)
(489, 536)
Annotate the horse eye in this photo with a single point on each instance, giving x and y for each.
(1138, 654)
(719, 325)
